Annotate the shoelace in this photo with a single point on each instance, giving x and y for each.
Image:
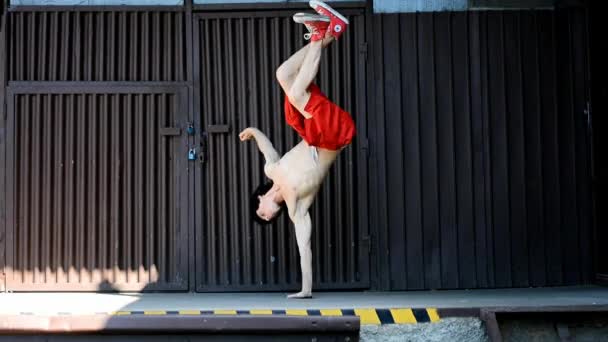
(315, 155)
(311, 30)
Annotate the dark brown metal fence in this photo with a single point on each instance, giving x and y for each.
(70, 243)
(483, 145)
(236, 56)
(478, 152)
(94, 188)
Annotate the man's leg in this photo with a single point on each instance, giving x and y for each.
(298, 92)
(286, 73)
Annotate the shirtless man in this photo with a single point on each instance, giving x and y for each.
(324, 127)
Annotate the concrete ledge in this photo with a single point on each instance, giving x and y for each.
(371, 316)
(51, 303)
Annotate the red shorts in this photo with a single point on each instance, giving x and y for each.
(330, 126)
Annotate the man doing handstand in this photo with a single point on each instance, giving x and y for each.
(324, 127)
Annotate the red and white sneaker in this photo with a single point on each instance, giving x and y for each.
(315, 24)
(338, 22)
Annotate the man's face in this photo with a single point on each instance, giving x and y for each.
(268, 208)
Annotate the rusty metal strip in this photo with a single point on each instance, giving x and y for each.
(172, 323)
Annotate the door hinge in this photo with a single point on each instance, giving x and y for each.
(364, 142)
(587, 113)
(202, 155)
(218, 129)
(367, 240)
(363, 50)
(170, 131)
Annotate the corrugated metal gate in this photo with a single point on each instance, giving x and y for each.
(239, 53)
(94, 189)
(491, 109)
(96, 173)
(100, 195)
(86, 45)
(479, 173)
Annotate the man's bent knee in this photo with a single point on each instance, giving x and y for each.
(298, 97)
(282, 75)
(285, 81)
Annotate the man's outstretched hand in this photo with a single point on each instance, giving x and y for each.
(247, 134)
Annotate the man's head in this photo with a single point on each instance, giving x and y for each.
(264, 208)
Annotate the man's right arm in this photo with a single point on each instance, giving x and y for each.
(264, 144)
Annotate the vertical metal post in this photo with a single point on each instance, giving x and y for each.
(193, 168)
(2, 146)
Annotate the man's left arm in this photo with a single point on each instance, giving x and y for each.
(299, 215)
(264, 144)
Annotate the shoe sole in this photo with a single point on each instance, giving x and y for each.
(300, 18)
(314, 4)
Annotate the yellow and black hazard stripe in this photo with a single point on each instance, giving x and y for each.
(373, 316)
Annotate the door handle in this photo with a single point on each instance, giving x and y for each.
(215, 129)
(170, 131)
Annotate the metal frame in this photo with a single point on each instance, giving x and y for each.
(156, 8)
(363, 154)
(375, 87)
(260, 14)
(188, 6)
(2, 147)
(192, 108)
(511, 4)
(181, 179)
(599, 277)
(377, 241)
(272, 6)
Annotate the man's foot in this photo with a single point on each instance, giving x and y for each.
(300, 295)
(338, 22)
(315, 24)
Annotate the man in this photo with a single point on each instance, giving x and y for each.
(324, 127)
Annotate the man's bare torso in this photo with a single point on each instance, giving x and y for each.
(298, 173)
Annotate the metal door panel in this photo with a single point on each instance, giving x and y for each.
(94, 189)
